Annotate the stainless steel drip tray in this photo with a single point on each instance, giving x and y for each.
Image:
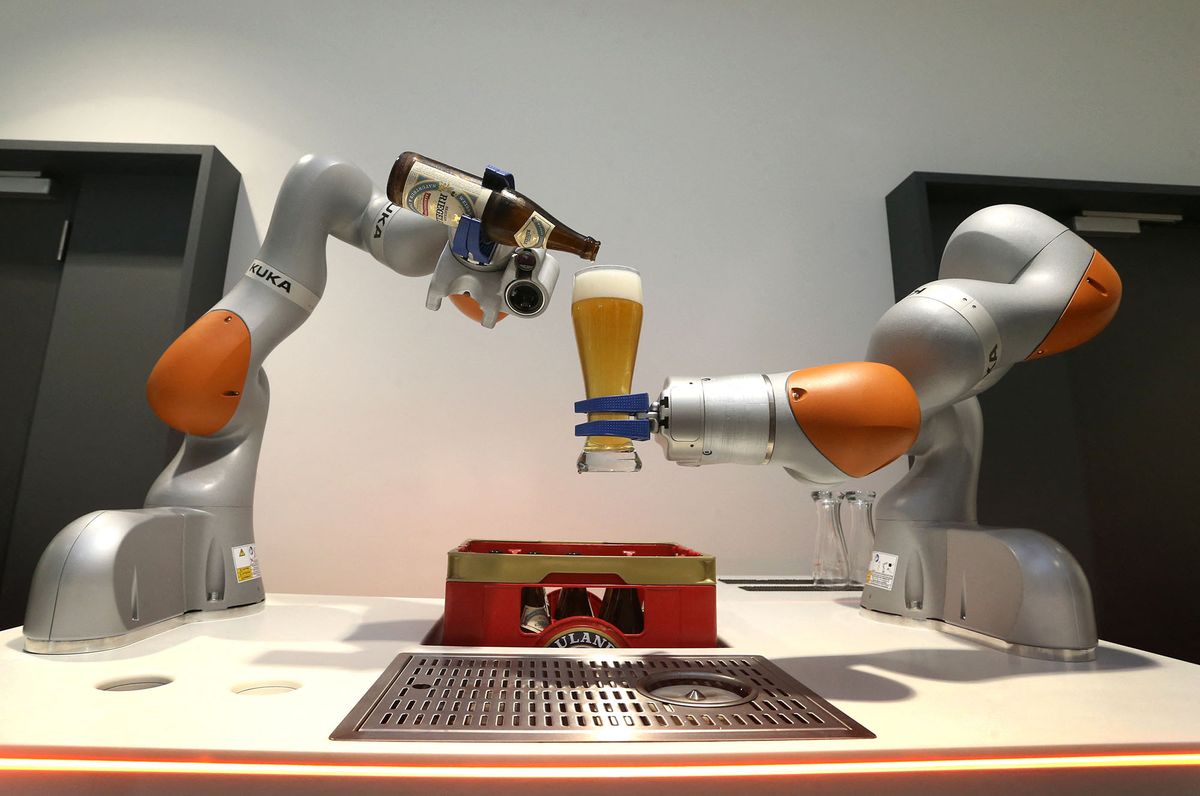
(611, 697)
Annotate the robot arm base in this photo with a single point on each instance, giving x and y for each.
(1015, 586)
(111, 578)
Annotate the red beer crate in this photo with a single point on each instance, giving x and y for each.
(484, 581)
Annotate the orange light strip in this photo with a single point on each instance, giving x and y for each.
(16, 764)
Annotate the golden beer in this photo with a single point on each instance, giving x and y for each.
(606, 307)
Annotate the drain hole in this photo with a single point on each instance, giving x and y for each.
(140, 683)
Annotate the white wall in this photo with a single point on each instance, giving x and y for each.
(737, 153)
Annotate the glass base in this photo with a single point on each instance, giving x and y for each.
(608, 462)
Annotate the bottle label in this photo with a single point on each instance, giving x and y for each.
(582, 637)
(534, 233)
(442, 196)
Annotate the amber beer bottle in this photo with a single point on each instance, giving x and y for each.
(533, 609)
(572, 601)
(446, 194)
(622, 609)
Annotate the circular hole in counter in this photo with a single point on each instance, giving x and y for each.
(139, 683)
(266, 687)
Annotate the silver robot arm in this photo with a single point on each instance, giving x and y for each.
(1015, 285)
(822, 424)
(112, 577)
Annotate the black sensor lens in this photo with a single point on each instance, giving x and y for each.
(524, 298)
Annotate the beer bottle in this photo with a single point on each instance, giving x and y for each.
(572, 601)
(622, 609)
(534, 616)
(447, 194)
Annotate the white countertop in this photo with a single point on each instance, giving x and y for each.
(925, 695)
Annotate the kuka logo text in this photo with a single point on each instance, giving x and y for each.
(274, 277)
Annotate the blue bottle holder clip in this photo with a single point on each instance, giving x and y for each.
(469, 242)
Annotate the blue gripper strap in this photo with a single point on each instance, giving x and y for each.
(634, 428)
(629, 404)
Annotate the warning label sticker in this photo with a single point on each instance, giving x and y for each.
(881, 572)
(245, 563)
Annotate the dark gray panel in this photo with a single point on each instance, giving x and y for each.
(208, 247)
(97, 443)
(1137, 392)
(31, 229)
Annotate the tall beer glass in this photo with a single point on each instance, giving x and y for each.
(606, 306)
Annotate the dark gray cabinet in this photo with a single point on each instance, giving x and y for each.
(96, 279)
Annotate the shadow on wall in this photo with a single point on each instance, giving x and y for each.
(244, 239)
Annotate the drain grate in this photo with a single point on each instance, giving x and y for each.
(604, 698)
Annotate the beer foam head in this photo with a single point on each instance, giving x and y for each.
(607, 281)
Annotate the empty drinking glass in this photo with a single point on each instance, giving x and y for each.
(829, 557)
(859, 533)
